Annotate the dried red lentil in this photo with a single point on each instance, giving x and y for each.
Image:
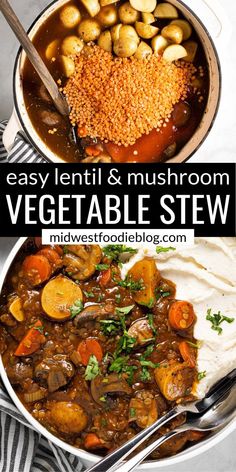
(119, 100)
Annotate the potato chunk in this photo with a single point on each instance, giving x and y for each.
(143, 409)
(174, 380)
(68, 417)
(146, 273)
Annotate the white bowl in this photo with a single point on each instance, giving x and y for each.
(88, 458)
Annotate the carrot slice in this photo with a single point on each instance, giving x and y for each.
(89, 347)
(187, 353)
(105, 277)
(59, 296)
(37, 268)
(181, 315)
(92, 151)
(31, 341)
(52, 255)
(92, 441)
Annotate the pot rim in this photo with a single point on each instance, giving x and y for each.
(84, 455)
(37, 147)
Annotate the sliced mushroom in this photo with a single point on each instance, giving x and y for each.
(92, 312)
(141, 331)
(81, 261)
(57, 371)
(143, 409)
(112, 384)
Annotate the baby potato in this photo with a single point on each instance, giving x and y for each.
(125, 47)
(174, 52)
(103, 3)
(71, 45)
(70, 16)
(127, 14)
(127, 32)
(145, 6)
(185, 26)
(143, 51)
(52, 49)
(68, 417)
(191, 48)
(148, 18)
(108, 16)
(173, 33)
(145, 31)
(89, 30)
(115, 32)
(67, 65)
(166, 10)
(105, 41)
(159, 44)
(92, 6)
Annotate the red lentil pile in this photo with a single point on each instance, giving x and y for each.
(118, 99)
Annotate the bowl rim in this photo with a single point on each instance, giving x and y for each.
(187, 454)
(42, 153)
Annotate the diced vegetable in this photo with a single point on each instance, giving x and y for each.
(145, 6)
(37, 268)
(108, 16)
(70, 16)
(159, 44)
(148, 18)
(105, 42)
(71, 46)
(33, 397)
(146, 271)
(89, 30)
(191, 48)
(125, 47)
(146, 31)
(58, 296)
(52, 49)
(166, 10)
(187, 353)
(31, 341)
(16, 310)
(143, 51)
(127, 32)
(68, 417)
(143, 409)
(92, 441)
(174, 52)
(185, 26)
(181, 315)
(115, 32)
(173, 33)
(87, 348)
(174, 380)
(141, 331)
(105, 277)
(128, 15)
(81, 261)
(67, 65)
(92, 6)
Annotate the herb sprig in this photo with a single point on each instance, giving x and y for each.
(160, 249)
(113, 251)
(92, 369)
(76, 308)
(217, 319)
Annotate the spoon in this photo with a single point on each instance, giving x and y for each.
(217, 417)
(34, 57)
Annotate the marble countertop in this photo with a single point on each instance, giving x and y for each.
(218, 147)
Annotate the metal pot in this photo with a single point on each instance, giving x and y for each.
(88, 458)
(209, 20)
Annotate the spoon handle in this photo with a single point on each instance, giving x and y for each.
(34, 57)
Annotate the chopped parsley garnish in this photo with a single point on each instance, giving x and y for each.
(88, 294)
(148, 351)
(217, 319)
(151, 323)
(145, 375)
(196, 346)
(39, 328)
(159, 292)
(113, 251)
(151, 364)
(201, 375)
(102, 399)
(110, 326)
(126, 343)
(120, 365)
(76, 308)
(132, 412)
(102, 267)
(65, 250)
(103, 422)
(118, 298)
(125, 310)
(148, 304)
(92, 369)
(160, 249)
(130, 284)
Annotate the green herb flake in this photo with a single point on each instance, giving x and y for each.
(125, 310)
(76, 308)
(195, 346)
(88, 294)
(161, 293)
(65, 250)
(118, 298)
(102, 267)
(92, 369)
(145, 375)
(113, 251)
(160, 249)
(132, 412)
(201, 375)
(39, 328)
(151, 323)
(110, 326)
(131, 285)
(151, 364)
(217, 319)
(102, 399)
(103, 422)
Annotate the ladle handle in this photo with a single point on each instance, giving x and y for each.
(34, 57)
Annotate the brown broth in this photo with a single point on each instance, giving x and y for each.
(61, 142)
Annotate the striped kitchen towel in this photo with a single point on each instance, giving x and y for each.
(22, 449)
(21, 152)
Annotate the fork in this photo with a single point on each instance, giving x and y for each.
(112, 460)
